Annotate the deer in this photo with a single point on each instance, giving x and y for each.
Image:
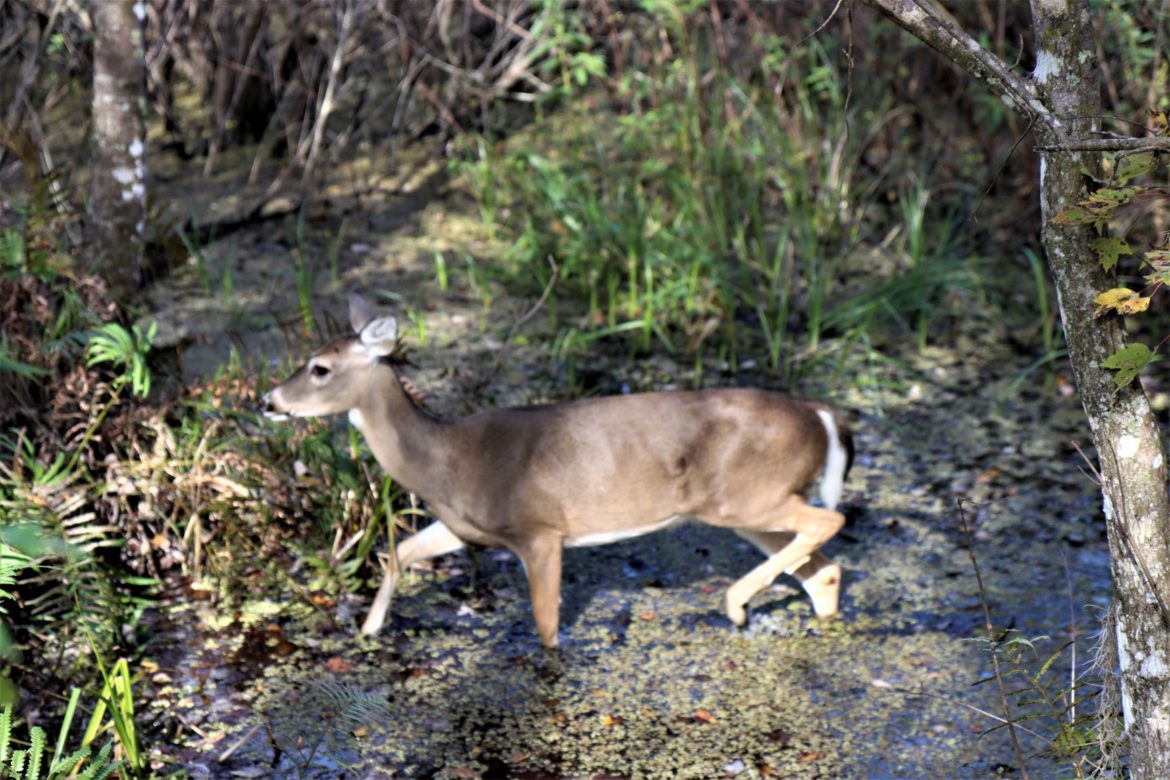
(537, 479)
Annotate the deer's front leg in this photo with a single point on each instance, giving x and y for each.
(542, 564)
(820, 577)
(810, 527)
(434, 540)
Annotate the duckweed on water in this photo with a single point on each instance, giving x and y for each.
(652, 680)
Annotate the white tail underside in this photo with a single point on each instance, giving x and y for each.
(833, 480)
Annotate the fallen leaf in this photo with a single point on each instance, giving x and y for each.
(339, 665)
(781, 737)
(704, 716)
(988, 476)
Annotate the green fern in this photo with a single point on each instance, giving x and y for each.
(28, 764)
(352, 707)
(50, 548)
(127, 350)
(10, 364)
(321, 718)
(11, 249)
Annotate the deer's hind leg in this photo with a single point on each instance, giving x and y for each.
(819, 576)
(434, 540)
(798, 532)
(542, 563)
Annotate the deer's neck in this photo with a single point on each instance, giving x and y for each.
(405, 440)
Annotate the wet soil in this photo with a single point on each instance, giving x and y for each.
(651, 679)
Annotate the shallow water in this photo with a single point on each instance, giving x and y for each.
(652, 680)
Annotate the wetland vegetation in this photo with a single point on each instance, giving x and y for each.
(557, 200)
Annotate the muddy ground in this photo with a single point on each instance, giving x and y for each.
(651, 680)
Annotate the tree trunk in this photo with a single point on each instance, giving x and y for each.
(1129, 446)
(117, 204)
(1063, 100)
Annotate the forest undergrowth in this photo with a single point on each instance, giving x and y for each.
(757, 204)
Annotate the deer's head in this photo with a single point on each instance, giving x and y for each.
(336, 377)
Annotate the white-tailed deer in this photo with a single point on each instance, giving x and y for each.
(535, 479)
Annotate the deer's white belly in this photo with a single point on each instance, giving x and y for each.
(606, 537)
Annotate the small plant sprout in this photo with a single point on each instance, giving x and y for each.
(127, 351)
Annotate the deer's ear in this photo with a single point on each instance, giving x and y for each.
(379, 336)
(360, 313)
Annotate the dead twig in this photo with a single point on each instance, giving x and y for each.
(881, 684)
(992, 643)
(331, 86)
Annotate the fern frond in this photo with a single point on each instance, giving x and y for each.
(36, 752)
(100, 768)
(81, 595)
(65, 766)
(27, 764)
(354, 707)
(5, 733)
(19, 757)
(64, 581)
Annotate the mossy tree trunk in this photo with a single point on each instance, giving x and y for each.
(117, 195)
(1062, 98)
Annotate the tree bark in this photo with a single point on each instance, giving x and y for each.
(117, 204)
(1130, 452)
(1063, 99)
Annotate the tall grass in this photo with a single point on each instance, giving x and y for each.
(711, 214)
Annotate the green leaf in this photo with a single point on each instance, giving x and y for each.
(1112, 196)
(1109, 248)
(1073, 216)
(1133, 165)
(1098, 207)
(1127, 362)
(5, 732)
(36, 751)
(1159, 261)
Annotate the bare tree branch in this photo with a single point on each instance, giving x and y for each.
(1120, 144)
(931, 24)
(331, 87)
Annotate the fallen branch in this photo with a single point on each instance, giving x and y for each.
(1121, 144)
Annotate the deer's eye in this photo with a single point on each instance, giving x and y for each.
(319, 371)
